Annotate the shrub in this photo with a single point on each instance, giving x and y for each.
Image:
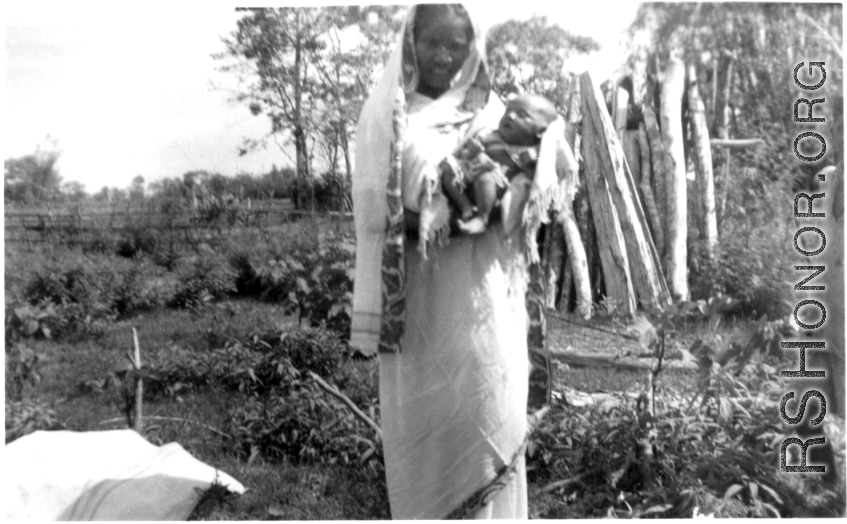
(137, 241)
(315, 280)
(301, 424)
(713, 447)
(21, 369)
(64, 298)
(283, 413)
(313, 349)
(331, 193)
(202, 280)
(79, 295)
(27, 416)
(753, 271)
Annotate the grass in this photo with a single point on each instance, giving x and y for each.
(275, 491)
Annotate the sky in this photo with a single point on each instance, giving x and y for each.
(131, 89)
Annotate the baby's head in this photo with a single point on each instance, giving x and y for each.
(526, 119)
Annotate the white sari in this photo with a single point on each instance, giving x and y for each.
(453, 403)
(454, 383)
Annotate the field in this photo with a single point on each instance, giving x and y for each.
(232, 324)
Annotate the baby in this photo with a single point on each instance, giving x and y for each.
(489, 161)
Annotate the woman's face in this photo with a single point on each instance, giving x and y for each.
(441, 46)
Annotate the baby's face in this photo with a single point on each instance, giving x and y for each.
(525, 120)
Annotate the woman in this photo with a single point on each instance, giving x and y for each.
(449, 318)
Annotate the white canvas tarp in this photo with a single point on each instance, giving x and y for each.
(103, 475)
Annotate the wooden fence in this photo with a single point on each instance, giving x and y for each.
(82, 227)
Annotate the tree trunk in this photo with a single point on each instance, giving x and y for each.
(621, 110)
(723, 81)
(703, 163)
(554, 245)
(574, 114)
(632, 153)
(573, 243)
(657, 161)
(720, 124)
(641, 253)
(301, 152)
(671, 113)
(610, 242)
(345, 146)
(647, 193)
(564, 301)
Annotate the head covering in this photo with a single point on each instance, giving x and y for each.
(379, 291)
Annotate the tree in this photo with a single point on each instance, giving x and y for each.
(34, 177)
(345, 71)
(296, 70)
(527, 56)
(272, 51)
(136, 190)
(74, 191)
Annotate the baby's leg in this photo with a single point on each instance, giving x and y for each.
(485, 194)
(453, 188)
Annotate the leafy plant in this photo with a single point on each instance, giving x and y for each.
(21, 369)
(205, 279)
(713, 447)
(26, 416)
(753, 271)
(300, 423)
(282, 412)
(314, 280)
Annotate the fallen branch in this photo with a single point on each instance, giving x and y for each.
(731, 143)
(567, 482)
(614, 361)
(173, 419)
(346, 400)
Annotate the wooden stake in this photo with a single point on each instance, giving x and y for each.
(676, 241)
(138, 423)
(703, 162)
